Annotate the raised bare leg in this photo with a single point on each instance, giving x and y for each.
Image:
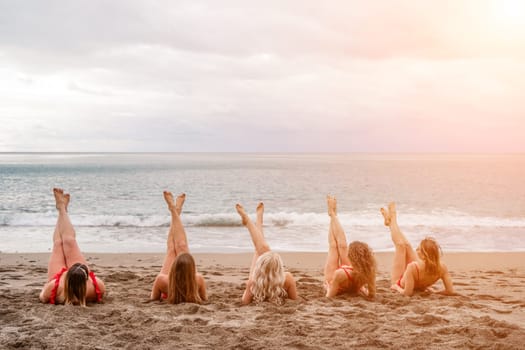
(179, 234)
(404, 253)
(171, 253)
(258, 240)
(332, 259)
(260, 213)
(57, 259)
(337, 231)
(259, 225)
(72, 253)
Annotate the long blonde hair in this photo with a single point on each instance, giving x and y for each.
(75, 284)
(183, 287)
(364, 266)
(268, 279)
(431, 253)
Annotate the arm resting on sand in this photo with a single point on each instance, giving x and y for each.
(290, 287)
(156, 291)
(247, 295)
(447, 281)
(202, 287)
(45, 294)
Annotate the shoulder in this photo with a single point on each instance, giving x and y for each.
(341, 276)
(413, 268)
(101, 285)
(200, 279)
(343, 272)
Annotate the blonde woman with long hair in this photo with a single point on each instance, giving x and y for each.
(70, 281)
(349, 268)
(415, 272)
(178, 280)
(267, 281)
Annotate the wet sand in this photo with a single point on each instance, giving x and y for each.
(488, 313)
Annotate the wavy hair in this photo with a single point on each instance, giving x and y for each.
(75, 285)
(364, 266)
(268, 279)
(431, 254)
(183, 287)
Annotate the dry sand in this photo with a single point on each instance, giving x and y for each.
(489, 313)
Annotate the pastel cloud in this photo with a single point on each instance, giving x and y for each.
(195, 76)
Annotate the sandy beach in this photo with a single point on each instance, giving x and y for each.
(488, 313)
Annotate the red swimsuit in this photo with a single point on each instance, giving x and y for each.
(399, 280)
(345, 268)
(52, 298)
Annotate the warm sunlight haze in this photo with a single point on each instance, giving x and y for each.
(395, 76)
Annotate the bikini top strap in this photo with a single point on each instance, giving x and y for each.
(95, 284)
(53, 296)
(345, 268)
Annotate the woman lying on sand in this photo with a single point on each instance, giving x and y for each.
(412, 272)
(78, 285)
(178, 280)
(267, 281)
(348, 268)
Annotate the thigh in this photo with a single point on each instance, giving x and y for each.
(56, 260)
(72, 252)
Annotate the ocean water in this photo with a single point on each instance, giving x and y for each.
(467, 202)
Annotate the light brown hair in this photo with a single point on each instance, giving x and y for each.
(183, 287)
(364, 264)
(431, 252)
(75, 285)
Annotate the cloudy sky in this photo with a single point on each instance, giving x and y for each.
(268, 76)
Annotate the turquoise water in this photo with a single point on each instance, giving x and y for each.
(467, 202)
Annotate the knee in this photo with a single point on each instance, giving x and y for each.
(263, 249)
(333, 245)
(181, 247)
(69, 242)
(57, 243)
(401, 246)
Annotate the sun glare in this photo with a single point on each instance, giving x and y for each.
(510, 13)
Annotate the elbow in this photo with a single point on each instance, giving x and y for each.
(42, 298)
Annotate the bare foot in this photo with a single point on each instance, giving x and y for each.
(260, 210)
(390, 214)
(332, 205)
(386, 216)
(242, 213)
(179, 202)
(392, 210)
(60, 201)
(168, 197)
(67, 198)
